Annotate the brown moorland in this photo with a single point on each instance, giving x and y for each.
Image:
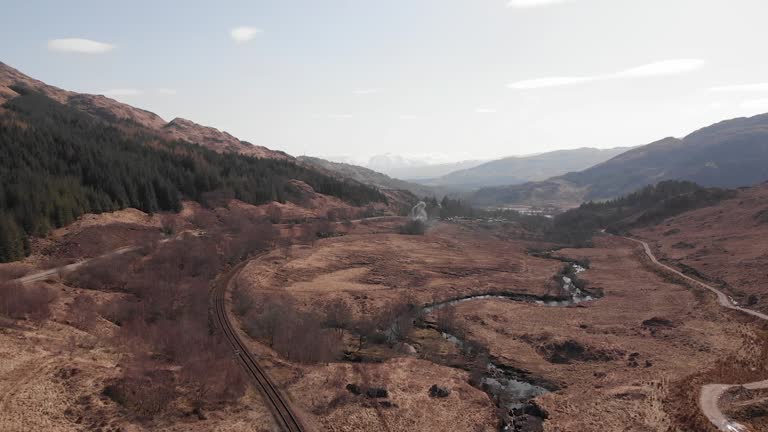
(632, 360)
(724, 244)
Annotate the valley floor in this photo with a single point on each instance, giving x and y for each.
(622, 362)
(632, 360)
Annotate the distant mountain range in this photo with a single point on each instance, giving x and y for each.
(416, 169)
(731, 153)
(522, 169)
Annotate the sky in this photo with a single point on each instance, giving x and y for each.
(443, 79)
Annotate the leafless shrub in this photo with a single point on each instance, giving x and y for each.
(308, 233)
(169, 224)
(210, 373)
(103, 274)
(9, 272)
(365, 329)
(264, 323)
(413, 227)
(298, 336)
(242, 301)
(143, 391)
(118, 311)
(20, 302)
(168, 326)
(207, 375)
(249, 238)
(447, 321)
(205, 220)
(83, 312)
(325, 228)
(401, 315)
(338, 315)
(175, 275)
(274, 214)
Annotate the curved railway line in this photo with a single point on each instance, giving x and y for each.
(281, 410)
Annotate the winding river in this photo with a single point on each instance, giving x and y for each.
(510, 388)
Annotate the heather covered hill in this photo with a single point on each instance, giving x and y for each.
(721, 243)
(648, 206)
(370, 177)
(728, 154)
(58, 162)
(124, 115)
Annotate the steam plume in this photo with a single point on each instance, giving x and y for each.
(419, 212)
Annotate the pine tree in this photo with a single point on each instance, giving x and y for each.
(12, 240)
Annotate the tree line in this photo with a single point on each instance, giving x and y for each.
(649, 205)
(57, 163)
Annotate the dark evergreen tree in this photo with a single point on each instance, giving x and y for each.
(57, 163)
(13, 240)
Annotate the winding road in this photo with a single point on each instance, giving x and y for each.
(281, 410)
(711, 393)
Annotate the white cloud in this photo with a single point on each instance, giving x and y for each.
(408, 117)
(755, 87)
(662, 68)
(167, 91)
(656, 69)
(755, 104)
(122, 92)
(367, 91)
(75, 45)
(527, 4)
(244, 34)
(549, 82)
(485, 110)
(332, 116)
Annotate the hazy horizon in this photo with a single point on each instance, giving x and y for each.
(454, 80)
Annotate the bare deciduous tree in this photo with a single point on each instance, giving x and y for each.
(338, 315)
(83, 312)
(446, 320)
(18, 301)
(298, 336)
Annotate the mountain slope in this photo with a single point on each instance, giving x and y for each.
(59, 162)
(121, 114)
(718, 243)
(369, 177)
(516, 170)
(730, 154)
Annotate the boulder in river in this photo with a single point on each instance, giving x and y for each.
(405, 348)
(528, 423)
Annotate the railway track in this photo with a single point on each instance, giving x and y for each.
(281, 410)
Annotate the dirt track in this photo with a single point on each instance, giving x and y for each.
(711, 393)
(45, 274)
